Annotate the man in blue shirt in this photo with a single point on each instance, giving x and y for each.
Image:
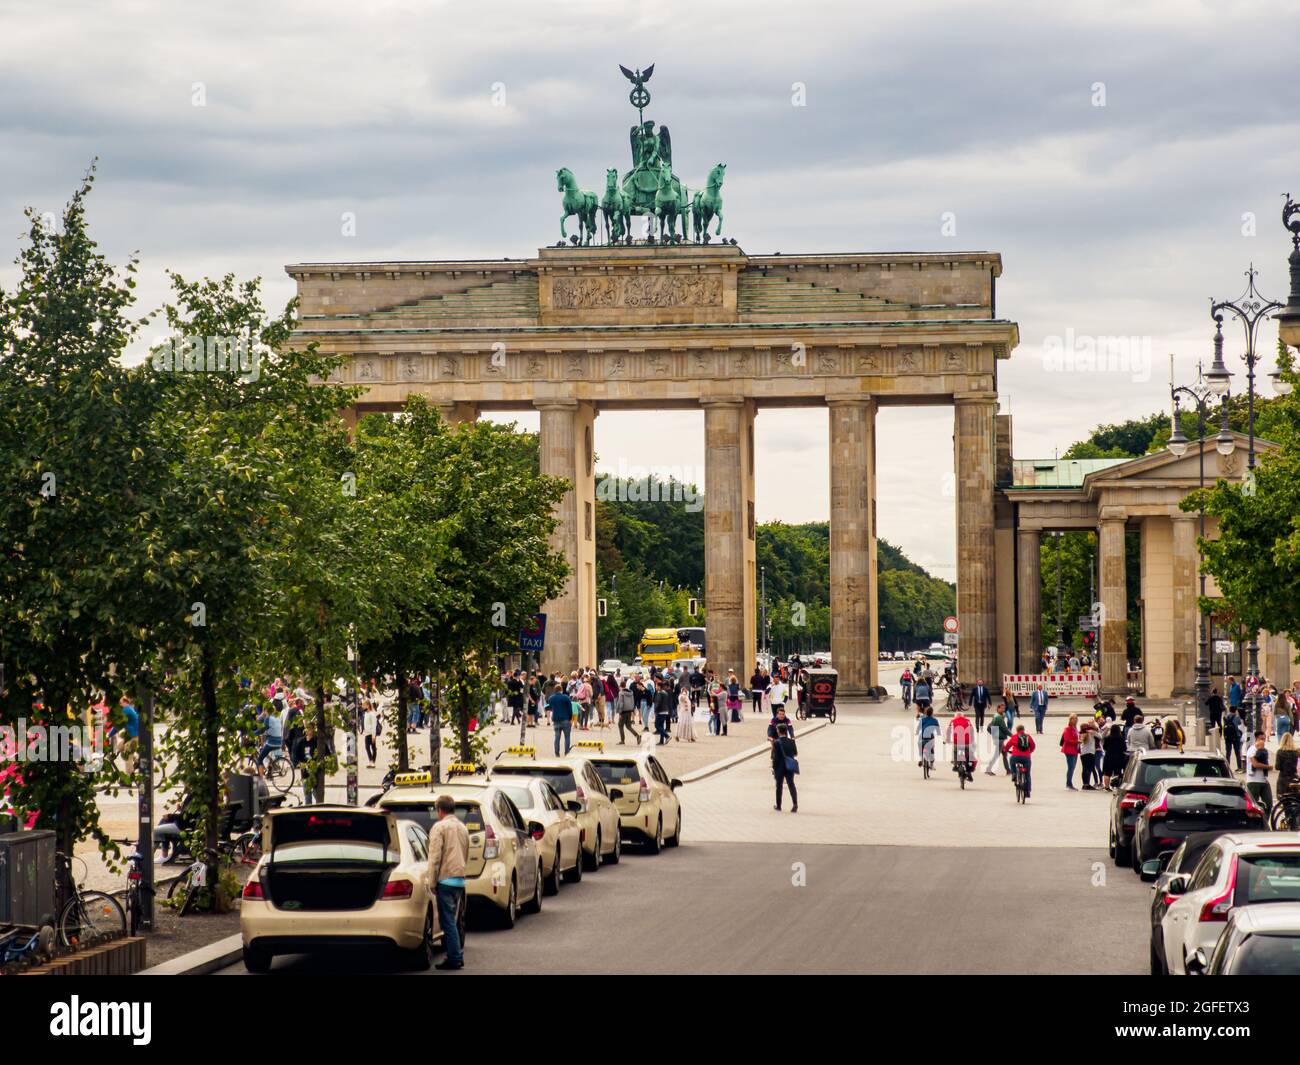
(561, 709)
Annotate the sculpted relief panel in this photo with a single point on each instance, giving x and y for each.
(580, 293)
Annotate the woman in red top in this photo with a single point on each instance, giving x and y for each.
(1070, 748)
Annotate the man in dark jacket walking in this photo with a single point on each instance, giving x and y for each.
(784, 766)
(665, 701)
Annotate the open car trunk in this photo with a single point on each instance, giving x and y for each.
(329, 859)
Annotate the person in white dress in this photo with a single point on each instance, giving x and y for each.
(685, 725)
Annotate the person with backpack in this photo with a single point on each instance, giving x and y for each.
(905, 682)
(1233, 726)
(625, 707)
(785, 766)
(1114, 753)
(1173, 737)
(1021, 749)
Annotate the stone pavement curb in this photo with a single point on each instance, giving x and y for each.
(200, 962)
(745, 755)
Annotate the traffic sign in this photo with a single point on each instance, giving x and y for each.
(950, 624)
(950, 638)
(1224, 647)
(1086, 623)
(532, 637)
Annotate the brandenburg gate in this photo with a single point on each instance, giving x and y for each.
(674, 324)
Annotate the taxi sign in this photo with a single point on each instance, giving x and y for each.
(522, 751)
(407, 780)
(463, 769)
(590, 745)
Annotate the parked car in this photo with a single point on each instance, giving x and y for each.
(649, 811)
(338, 875)
(553, 826)
(1237, 869)
(1178, 807)
(1159, 872)
(1145, 769)
(1260, 940)
(613, 665)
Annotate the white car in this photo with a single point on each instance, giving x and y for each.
(1238, 869)
(1261, 940)
(613, 665)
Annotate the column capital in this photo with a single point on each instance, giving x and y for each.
(854, 399)
(963, 399)
(556, 403)
(722, 401)
(1112, 513)
(1183, 516)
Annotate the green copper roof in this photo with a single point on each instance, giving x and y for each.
(759, 294)
(1056, 473)
(504, 299)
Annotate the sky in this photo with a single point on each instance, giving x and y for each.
(1127, 160)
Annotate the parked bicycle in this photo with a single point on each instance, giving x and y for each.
(135, 892)
(87, 914)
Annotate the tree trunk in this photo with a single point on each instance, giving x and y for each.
(324, 735)
(211, 776)
(462, 718)
(403, 755)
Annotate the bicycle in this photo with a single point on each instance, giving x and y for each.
(1022, 783)
(1285, 815)
(135, 890)
(86, 914)
(965, 773)
(927, 758)
(190, 882)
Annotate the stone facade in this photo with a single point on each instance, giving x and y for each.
(576, 330)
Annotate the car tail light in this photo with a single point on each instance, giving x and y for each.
(1132, 800)
(1252, 810)
(582, 797)
(1160, 809)
(253, 889)
(539, 833)
(644, 794)
(490, 848)
(398, 889)
(1218, 908)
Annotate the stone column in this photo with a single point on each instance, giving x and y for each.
(729, 550)
(565, 447)
(974, 455)
(1029, 601)
(1114, 600)
(853, 625)
(1186, 617)
(455, 413)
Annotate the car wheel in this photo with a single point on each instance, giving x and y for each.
(1157, 961)
(617, 852)
(591, 862)
(553, 882)
(1123, 854)
(676, 838)
(534, 905)
(1110, 843)
(574, 875)
(511, 913)
(1135, 856)
(420, 958)
(655, 845)
(257, 960)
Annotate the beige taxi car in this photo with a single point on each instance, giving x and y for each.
(503, 872)
(552, 825)
(649, 810)
(577, 783)
(333, 876)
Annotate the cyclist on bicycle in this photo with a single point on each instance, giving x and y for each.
(960, 737)
(906, 682)
(922, 693)
(271, 729)
(927, 729)
(1021, 749)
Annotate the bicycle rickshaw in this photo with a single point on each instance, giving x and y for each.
(817, 693)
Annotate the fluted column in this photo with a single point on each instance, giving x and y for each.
(729, 531)
(1185, 612)
(565, 449)
(1029, 601)
(974, 459)
(852, 433)
(1114, 600)
(455, 413)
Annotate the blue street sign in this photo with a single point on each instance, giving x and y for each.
(532, 638)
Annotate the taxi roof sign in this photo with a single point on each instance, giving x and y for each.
(522, 750)
(463, 769)
(407, 780)
(591, 745)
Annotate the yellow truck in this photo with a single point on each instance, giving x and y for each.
(658, 647)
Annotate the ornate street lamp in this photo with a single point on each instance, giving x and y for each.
(1288, 319)
(1061, 660)
(1250, 309)
(1201, 397)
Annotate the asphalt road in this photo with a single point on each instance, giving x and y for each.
(734, 908)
